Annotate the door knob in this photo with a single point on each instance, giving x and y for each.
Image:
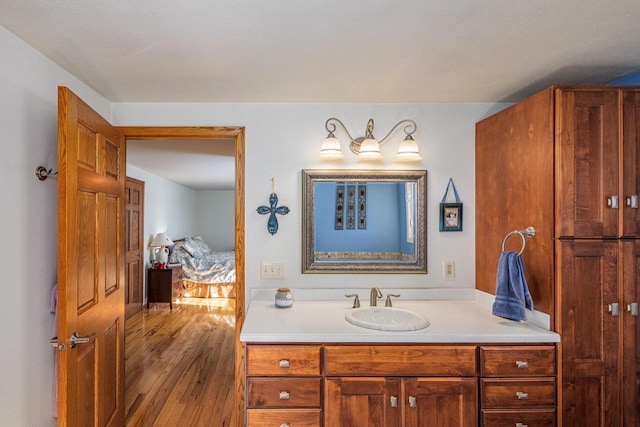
(75, 339)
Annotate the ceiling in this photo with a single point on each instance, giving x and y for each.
(323, 51)
(198, 164)
(334, 51)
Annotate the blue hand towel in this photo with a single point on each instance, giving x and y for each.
(512, 292)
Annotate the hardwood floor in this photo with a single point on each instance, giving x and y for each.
(179, 365)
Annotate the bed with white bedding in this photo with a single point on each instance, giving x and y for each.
(205, 273)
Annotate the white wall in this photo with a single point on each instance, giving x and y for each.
(28, 218)
(168, 207)
(282, 139)
(215, 219)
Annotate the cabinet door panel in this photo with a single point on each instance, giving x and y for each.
(590, 333)
(630, 162)
(587, 147)
(441, 402)
(362, 402)
(631, 356)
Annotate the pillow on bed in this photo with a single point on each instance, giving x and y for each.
(196, 248)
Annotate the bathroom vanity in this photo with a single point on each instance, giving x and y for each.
(308, 366)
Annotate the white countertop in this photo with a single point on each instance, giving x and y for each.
(323, 321)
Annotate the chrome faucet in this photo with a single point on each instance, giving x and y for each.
(375, 294)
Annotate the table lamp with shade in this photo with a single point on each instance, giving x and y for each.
(161, 254)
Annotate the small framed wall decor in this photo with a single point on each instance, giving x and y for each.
(450, 213)
(450, 216)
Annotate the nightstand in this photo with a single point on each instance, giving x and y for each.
(164, 285)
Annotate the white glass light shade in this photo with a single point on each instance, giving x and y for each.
(370, 150)
(161, 239)
(408, 150)
(330, 148)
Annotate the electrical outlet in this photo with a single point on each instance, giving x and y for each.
(272, 270)
(449, 270)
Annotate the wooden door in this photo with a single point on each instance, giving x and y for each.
(630, 163)
(630, 250)
(91, 207)
(590, 330)
(441, 402)
(134, 228)
(587, 150)
(362, 402)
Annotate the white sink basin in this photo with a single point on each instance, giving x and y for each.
(387, 319)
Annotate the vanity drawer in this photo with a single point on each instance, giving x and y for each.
(283, 360)
(518, 392)
(517, 361)
(283, 417)
(419, 360)
(283, 392)
(519, 418)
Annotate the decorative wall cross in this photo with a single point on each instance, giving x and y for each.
(273, 209)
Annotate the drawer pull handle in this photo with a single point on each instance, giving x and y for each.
(614, 309)
(522, 396)
(287, 425)
(522, 364)
(284, 395)
(522, 425)
(284, 363)
(413, 402)
(394, 401)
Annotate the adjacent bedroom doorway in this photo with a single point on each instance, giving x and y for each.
(213, 133)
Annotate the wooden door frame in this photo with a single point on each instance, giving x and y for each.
(217, 132)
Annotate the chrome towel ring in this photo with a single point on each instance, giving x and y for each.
(527, 232)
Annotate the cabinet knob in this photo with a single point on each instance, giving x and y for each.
(633, 308)
(522, 396)
(614, 309)
(284, 363)
(394, 401)
(612, 202)
(287, 425)
(413, 401)
(284, 395)
(632, 201)
(522, 364)
(522, 425)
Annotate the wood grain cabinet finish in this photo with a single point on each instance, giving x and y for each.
(382, 385)
(363, 401)
(408, 385)
(519, 383)
(164, 285)
(567, 161)
(284, 385)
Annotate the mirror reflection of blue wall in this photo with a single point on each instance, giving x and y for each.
(386, 220)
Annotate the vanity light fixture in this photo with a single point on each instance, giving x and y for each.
(368, 147)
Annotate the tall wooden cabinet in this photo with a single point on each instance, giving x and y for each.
(566, 161)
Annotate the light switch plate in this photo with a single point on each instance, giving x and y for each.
(449, 270)
(272, 270)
